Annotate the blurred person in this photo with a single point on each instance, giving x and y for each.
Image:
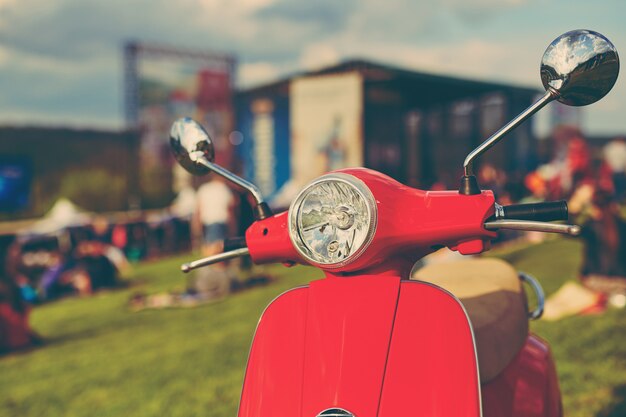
(565, 175)
(615, 156)
(492, 178)
(137, 246)
(184, 204)
(215, 203)
(536, 184)
(91, 266)
(15, 330)
(49, 287)
(100, 230)
(555, 172)
(580, 202)
(604, 238)
(570, 165)
(119, 236)
(91, 258)
(561, 137)
(578, 163)
(13, 269)
(182, 210)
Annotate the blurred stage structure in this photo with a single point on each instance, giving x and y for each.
(413, 126)
(163, 83)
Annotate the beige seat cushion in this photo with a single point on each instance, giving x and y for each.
(494, 299)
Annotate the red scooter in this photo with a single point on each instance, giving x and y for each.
(366, 341)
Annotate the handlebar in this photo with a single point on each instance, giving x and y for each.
(530, 217)
(539, 212)
(210, 260)
(530, 226)
(233, 248)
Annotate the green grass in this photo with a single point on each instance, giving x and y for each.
(103, 360)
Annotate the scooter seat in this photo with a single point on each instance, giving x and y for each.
(494, 299)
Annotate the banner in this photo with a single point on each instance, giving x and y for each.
(326, 125)
(15, 184)
(264, 149)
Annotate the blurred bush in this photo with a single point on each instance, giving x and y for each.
(94, 190)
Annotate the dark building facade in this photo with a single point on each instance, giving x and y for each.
(97, 170)
(415, 127)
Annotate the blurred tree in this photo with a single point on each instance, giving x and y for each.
(96, 189)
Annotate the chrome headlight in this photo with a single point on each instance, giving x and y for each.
(333, 220)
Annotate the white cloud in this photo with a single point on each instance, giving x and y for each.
(245, 6)
(48, 47)
(471, 58)
(318, 55)
(479, 12)
(255, 73)
(6, 3)
(480, 4)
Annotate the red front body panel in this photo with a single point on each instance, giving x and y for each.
(373, 345)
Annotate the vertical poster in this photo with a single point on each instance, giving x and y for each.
(264, 151)
(326, 125)
(15, 184)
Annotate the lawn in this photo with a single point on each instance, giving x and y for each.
(101, 359)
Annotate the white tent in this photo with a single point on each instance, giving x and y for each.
(63, 214)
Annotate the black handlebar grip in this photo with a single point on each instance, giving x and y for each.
(541, 212)
(232, 243)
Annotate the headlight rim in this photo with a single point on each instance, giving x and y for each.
(370, 202)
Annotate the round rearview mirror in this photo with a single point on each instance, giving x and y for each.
(190, 142)
(580, 66)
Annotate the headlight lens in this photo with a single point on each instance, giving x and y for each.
(333, 220)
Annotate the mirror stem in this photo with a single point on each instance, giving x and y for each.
(261, 210)
(495, 138)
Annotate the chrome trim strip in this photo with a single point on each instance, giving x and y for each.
(541, 297)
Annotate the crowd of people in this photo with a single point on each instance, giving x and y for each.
(84, 259)
(39, 270)
(592, 179)
(75, 260)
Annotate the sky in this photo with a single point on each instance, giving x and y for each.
(61, 60)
